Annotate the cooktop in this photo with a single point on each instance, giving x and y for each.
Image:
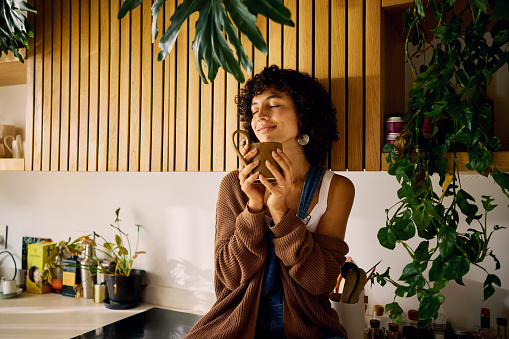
(153, 323)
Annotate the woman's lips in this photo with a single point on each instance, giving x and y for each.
(265, 129)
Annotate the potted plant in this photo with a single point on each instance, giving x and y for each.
(447, 113)
(124, 283)
(15, 29)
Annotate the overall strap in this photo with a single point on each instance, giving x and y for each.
(311, 184)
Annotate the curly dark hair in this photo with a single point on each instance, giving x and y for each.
(314, 107)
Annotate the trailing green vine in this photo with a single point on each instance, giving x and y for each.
(448, 94)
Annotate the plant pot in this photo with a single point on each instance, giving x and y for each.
(128, 288)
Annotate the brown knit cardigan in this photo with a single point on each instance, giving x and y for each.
(310, 265)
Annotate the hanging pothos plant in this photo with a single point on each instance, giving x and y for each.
(14, 27)
(217, 18)
(448, 96)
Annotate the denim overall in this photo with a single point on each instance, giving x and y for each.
(269, 323)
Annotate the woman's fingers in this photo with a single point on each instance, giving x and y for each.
(247, 154)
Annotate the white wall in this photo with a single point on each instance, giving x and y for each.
(177, 214)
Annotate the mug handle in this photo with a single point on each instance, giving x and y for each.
(6, 145)
(234, 134)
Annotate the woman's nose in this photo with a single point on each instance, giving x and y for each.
(262, 114)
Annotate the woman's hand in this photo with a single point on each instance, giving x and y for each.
(278, 191)
(255, 193)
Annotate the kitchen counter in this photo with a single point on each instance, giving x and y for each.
(55, 316)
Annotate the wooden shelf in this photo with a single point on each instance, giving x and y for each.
(500, 158)
(12, 164)
(13, 71)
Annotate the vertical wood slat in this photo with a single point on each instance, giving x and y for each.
(373, 126)
(290, 38)
(84, 85)
(72, 164)
(181, 94)
(146, 88)
(116, 108)
(135, 96)
(55, 103)
(114, 87)
(124, 93)
(30, 101)
(305, 59)
(157, 105)
(169, 98)
(104, 93)
(38, 87)
(65, 88)
(355, 85)
(93, 124)
(218, 158)
(46, 109)
(193, 103)
(338, 82)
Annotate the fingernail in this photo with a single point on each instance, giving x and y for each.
(253, 150)
(274, 154)
(256, 162)
(279, 150)
(268, 163)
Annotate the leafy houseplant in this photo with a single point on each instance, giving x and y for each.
(14, 26)
(448, 94)
(216, 16)
(119, 252)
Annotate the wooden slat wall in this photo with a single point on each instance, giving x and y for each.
(100, 101)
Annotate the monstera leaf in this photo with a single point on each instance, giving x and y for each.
(217, 28)
(14, 26)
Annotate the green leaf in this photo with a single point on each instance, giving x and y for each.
(412, 269)
(386, 238)
(448, 32)
(429, 306)
(502, 179)
(456, 267)
(462, 198)
(497, 262)
(246, 23)
(272, 9)
(421, 218)
(420, 8)
(488, 285)
(481, 4)
(211, 46)
(404, 229)
(436, 271)
(182, 12)
(118, 240)
(446, 245)
(501, 10)
(422, 251)
(127, 5)
(486, 203)
(156, 8)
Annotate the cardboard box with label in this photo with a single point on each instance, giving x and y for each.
(39, 255)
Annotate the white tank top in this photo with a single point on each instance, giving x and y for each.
(320, 207)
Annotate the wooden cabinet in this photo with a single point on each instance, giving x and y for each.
(99, 101)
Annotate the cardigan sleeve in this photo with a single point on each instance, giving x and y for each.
(240, 243)
(313, 260)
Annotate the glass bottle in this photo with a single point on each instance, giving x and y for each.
(374, 331)
(56, 280)
(410, 329)
(378, 314)
(501, 328)
(394, 332)
(485, 332)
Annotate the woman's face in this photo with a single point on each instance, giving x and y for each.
(274, 117)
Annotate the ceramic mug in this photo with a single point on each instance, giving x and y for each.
(14, 146)
(264, 153)
(8, 286)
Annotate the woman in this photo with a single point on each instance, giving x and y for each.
(279, 247)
